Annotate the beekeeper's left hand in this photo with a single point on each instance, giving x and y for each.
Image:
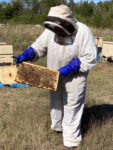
(73, 66)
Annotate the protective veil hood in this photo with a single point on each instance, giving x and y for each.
(60, 19)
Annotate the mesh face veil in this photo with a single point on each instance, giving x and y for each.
(60, 20)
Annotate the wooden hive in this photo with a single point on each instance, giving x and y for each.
(33, 75)
(99, 41)
(8, 74)
(107, 49)
(6, 53)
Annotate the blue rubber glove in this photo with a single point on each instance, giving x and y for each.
(73, 66)
(28, 54)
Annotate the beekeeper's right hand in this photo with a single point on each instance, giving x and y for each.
(27, 55)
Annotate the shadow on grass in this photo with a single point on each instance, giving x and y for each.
(96, 114)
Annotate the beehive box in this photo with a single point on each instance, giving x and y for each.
(8, 74)
(107, 49)
(6, 53)
(99, 41)
(33, 75)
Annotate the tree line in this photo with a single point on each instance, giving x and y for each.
(35, 11)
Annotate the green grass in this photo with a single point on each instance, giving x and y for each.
(25, 115)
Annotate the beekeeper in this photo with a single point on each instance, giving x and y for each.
(71, 49)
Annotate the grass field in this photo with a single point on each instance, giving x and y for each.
(24, 112)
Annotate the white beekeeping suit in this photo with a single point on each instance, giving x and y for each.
(67, 103)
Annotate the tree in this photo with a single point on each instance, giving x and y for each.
(35, 11)
(17, 8)
(35, 6)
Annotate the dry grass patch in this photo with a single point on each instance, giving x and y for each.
(20, 36)
(107, 34)
(25, 119)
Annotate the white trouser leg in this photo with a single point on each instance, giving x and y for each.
(73, 98)
(56, 107)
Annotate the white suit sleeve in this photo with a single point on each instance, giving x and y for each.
(88, 51)
(41, 44)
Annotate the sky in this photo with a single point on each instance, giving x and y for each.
(5, 0)
(96, 1)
